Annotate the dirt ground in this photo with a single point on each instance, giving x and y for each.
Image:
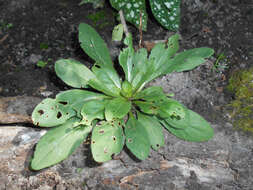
(35, 30)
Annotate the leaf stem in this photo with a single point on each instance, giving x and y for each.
(123, 22)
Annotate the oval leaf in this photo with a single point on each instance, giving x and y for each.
(107, 139)
(50, 113)
(197, 130)
(58, 143)
(153, 129)
(117, 33)
(117, 108)
(73, 73)
(94, 45)
(137, 139)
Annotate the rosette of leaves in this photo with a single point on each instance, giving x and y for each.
(121, 110)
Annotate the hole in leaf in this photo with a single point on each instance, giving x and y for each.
(101, 131)
(105, 150)
(119, 123)
(130, 140)
(41, 112)
(175, 117)
(93, 142)
(63, 103)
(67, 113)
(59, 115)
(37, 123)
(157, 145)
(97, 66)
(114, 138)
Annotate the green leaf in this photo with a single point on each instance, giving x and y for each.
(106, 81)
(131, 10)
(196, 128)
(107, 139)
(137, 139)
(162, 56)
(93, 109)
(147, 107)
(153, 129)
(41, 63)
(153, 93)
(189, 59)
(127, 89)
(126, 58)
(117, 108)
(73, 73)
(58, 143)
(167, 12)
(50, 113)
(117, 33)
(94, 45)
(169, 108)
(77, 98)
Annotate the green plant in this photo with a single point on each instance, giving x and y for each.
(122, 111)
(166, 12)
(221, 63)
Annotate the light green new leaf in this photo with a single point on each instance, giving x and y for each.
(77, 98)
(117, 108)
(137, 139)
(153, 129)
(94, 45)
(196, 129)
(107, 139)
(126, 58)
(167, 12)
(58, 143)
(107, 80)
(93, 109)
(73, 73)
(50, 113)
(189, 59)
(131, 10)
(117, 33)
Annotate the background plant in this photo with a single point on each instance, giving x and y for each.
(122, 111)
(166, 12)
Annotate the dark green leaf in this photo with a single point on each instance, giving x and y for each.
(153, 93)
(147, 107)
(167, 12)
(196, 128)
(107, 139)
(73, 73)
(117, 108)
(58, 143)
(131, 10)
(153, 129)
(50, 113)
(169, 108)
(137, 139)
(94, 45)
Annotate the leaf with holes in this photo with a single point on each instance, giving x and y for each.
(117, 108)
(153, 129)
(132, 10)
(167, 13)
(77, 98)
(196, 128)
(93, 109)
(107, 140)
(73, 73)
(58, 143)
(50, 113)
(147, 107)
(94, 45)
(137, 139)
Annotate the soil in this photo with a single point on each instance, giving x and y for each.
(35, 30)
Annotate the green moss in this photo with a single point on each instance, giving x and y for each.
(241, 84)
(100, 19)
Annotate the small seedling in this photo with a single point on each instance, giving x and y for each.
(121, 111)
(41, 63)
(221, 63)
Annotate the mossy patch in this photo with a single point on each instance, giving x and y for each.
(100, 19)
(241, 84)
